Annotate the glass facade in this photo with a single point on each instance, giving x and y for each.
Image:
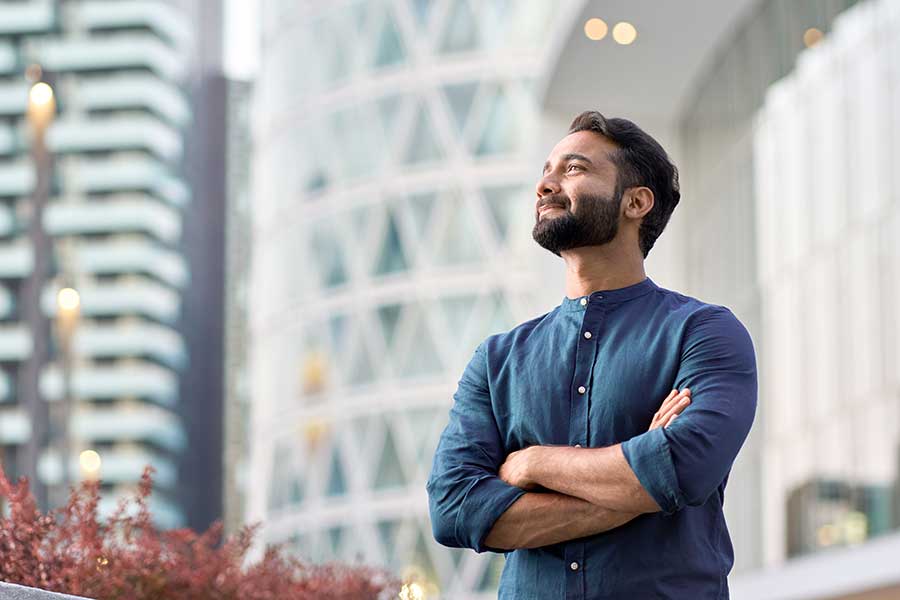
(393, 187)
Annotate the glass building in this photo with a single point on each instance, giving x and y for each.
(393, 179)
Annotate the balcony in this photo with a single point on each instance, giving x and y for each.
(116, 133)
(131, 339)
(17, 179)
(164, 19)
(28, 17)
(139, 423)
(114, 52)
(13, 98)
(131, 212)
(132, 295)
(138, 379)
(15, 427)
(121, 174)
(15, 342)
(9, 141)
(134, 91)
(130, 256)
(16, 259)
(9, 61)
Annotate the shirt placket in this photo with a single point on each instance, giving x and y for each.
(578, 427)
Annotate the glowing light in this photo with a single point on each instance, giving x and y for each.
(812, 36)
(595, 29)
(624, 33)
(412, 591)
(90, 462)
(41, 94)
(68, 299)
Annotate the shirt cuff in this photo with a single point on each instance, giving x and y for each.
(484, 503)
(650, 458)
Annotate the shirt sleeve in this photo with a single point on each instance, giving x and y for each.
(683, 464)
(465, 495)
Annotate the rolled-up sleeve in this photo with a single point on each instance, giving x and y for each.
(465, 495)
(683, 464)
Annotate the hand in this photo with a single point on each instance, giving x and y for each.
(514, 470)
(671, 407)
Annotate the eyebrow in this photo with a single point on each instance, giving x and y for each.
(571, 156)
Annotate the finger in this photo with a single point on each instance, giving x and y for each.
(671, 420)
(673, 398)
(676, 408)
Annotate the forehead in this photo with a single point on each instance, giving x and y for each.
(593, 145)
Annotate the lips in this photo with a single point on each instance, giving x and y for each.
(547, 207)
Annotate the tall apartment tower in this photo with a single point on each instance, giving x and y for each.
(113, 228)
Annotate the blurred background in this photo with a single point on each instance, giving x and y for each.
(254, 244)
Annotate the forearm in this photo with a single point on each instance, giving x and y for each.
(600, 476)
(541, 519)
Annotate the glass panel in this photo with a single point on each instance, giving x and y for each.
(328, 255)
(337, 485)
(459, 243)
(387, 532)
(507, 204)
(461, 28)
(500, 129)
(361, 370)
(391, 258)
(459, 97)
(389, 473)
(335, 537)
(422, 11)
(422, 358)
(423, 146)
(388, 316)
(390, 47)
(421, 207)
(457, 310)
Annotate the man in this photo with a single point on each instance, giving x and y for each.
(592, 444)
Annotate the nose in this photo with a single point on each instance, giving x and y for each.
(547, 185)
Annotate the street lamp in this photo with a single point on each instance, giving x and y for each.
(40, 113)
(68, 307)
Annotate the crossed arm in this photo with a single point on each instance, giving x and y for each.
(594, 490)
(482, 499)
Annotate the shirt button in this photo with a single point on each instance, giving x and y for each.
(581, 389)
(587, 334)
(584, 301)
(574, 566)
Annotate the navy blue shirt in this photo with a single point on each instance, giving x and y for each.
(521, 389)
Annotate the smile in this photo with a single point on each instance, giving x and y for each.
(549, 207)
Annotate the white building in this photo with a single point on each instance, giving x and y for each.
(114, 217)
(397, 148)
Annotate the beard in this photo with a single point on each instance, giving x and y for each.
(594, 222)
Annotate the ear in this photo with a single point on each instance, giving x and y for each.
(638, 202)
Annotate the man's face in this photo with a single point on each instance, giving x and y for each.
(577, 200)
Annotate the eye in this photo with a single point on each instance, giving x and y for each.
(570, 167)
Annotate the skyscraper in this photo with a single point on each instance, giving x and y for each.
(115, 216)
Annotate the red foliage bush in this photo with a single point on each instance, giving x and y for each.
(70, 550)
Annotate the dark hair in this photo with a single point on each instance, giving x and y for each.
(640, 161)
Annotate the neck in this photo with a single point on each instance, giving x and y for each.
(608, 267)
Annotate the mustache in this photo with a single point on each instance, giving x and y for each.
(556, 200)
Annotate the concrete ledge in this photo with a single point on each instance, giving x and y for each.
(869, 570)
(11, 591)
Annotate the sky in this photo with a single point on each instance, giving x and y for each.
(241, 40)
